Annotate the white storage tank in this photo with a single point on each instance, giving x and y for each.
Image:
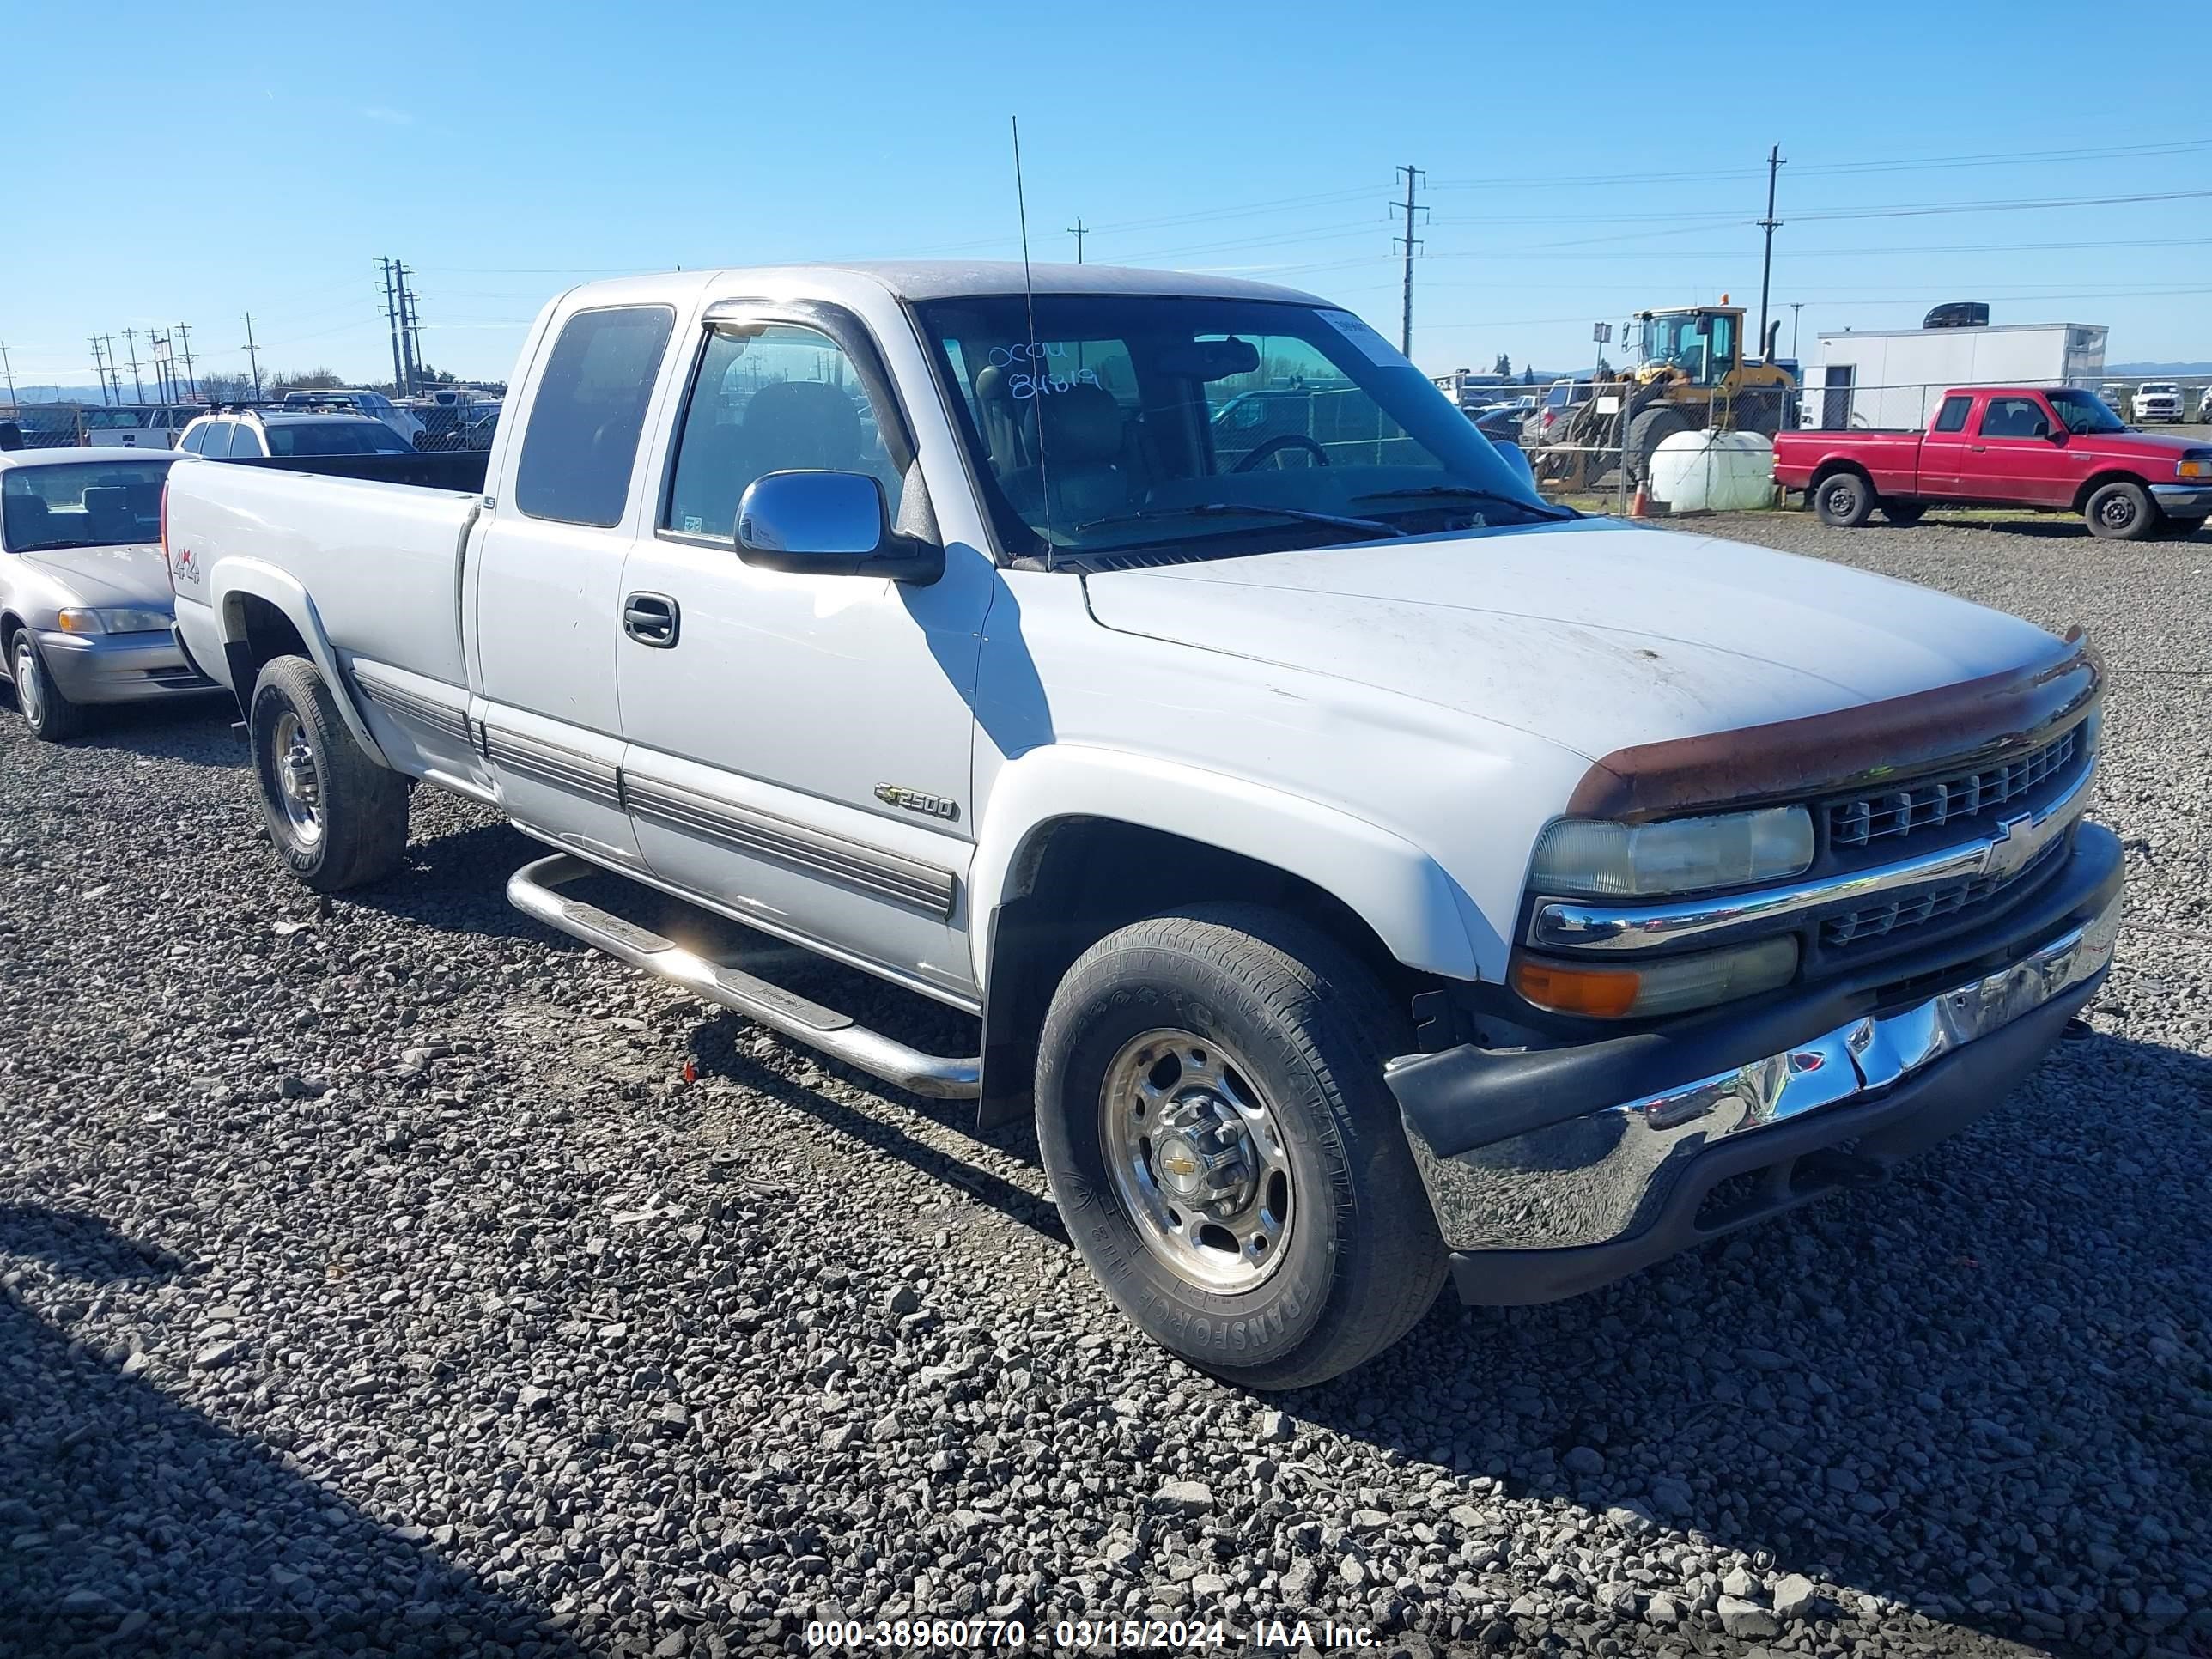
(1713, 472)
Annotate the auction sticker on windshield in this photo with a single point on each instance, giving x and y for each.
(1378, 349)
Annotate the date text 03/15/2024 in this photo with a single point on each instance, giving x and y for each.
(1083, 1635)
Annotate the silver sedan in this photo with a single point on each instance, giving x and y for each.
(85, 612)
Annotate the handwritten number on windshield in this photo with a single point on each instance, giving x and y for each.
(1031, 372)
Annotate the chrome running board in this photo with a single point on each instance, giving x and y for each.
(534, 890)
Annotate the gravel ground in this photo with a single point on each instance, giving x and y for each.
(373, 1280)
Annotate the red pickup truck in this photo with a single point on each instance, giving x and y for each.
(2060, 450)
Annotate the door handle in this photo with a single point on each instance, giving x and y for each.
(1979, 449)
(651, 619)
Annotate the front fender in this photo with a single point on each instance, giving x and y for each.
(1414, 906)
(235, 579)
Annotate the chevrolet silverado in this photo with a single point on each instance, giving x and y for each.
(1365, 871)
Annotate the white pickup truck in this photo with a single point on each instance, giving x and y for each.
(1365, 871)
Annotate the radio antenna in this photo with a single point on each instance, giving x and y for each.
(1036, 381)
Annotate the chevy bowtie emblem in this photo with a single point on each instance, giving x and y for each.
(916, 801)
(2016, 843)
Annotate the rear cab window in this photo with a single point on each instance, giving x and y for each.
(1952, 417)
(580, 448)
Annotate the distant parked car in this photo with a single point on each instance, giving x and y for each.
(1561, 399)
(254, 434)
(374, 404)
(85, 601)
(2204, 407)
(1503, 424)
(2157, 400)
(139, 426)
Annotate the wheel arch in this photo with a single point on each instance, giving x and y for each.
(263, 613)
(2111, 475)
(1829, 466)
(1048, 884)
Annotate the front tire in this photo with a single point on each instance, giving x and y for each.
(2121, 511)
(46, 709)
(337, 818)
(1843, 501)
(1226, 1157)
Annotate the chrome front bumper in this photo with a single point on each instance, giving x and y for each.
(2183, 500)
(1585, 1199)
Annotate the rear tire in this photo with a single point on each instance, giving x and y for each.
(1843, 500)
(1904, 514)
(2121, 511)
(1233, 1055)
(50, 715)
(337, 818)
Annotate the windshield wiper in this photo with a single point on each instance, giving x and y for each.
(1470, 493)
(1231, 509)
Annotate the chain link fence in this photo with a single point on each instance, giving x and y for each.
(460, 422)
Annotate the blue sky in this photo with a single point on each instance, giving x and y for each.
(1580, 160)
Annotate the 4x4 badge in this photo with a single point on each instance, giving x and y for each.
(916, 801)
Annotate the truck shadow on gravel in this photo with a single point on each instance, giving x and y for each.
(131, 1524)
(1982, 1393)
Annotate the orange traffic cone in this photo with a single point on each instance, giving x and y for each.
(1639, 505)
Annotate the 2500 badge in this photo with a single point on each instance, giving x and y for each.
(918, 800)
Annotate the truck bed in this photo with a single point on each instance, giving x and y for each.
(381, 554)
(1889, 455)
(453, 469)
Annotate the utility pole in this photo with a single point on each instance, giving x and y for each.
(1077, 231)
(1768, 224)
(252, 357)
(184, 334)
(410, 332)
(391, 319)
(1405, 328)
(99, 371)
(1795, 306)
(8, 369)
(114, 368)
(137, 386)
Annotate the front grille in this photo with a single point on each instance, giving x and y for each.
(1934, 802)
(1928, 903)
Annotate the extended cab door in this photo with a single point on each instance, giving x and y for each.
(1944, 450)
(548, 565)
(799, 744)
(2018, 453)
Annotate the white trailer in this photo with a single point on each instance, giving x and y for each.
(1896, 377)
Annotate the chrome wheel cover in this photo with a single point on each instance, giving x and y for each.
(1198, 1160)
(30, 695)
(298, 785)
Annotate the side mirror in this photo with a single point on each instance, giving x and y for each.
(828, 524)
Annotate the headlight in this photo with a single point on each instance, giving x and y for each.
(114, 619)
(2195, 467)
(1666, 985)
(1599, 859)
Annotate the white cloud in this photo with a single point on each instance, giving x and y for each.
(390, 117)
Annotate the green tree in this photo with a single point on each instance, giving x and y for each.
(1503, 368)
(312, 380)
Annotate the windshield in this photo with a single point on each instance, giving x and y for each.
(1125, 425)
(1701, 343)
(93, 504)
(2084, 411)
(361, 437)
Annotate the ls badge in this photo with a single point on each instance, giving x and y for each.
(914, 800)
